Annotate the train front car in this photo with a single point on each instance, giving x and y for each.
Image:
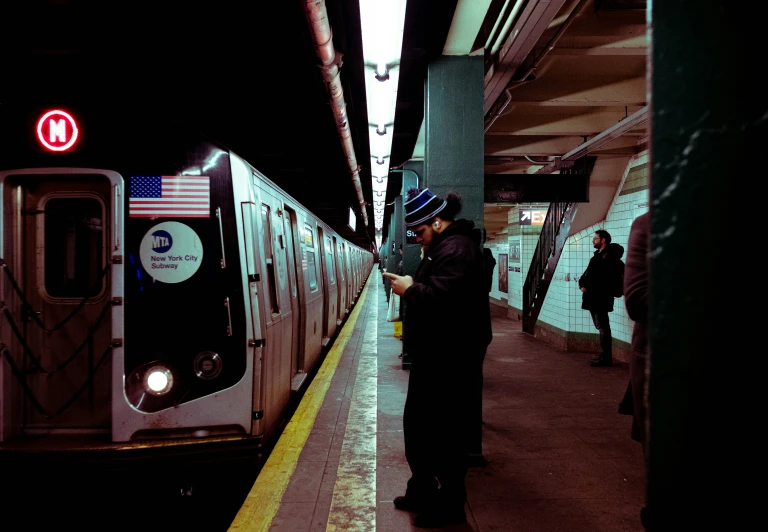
(124, 308)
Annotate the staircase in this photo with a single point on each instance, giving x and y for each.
(552, 239)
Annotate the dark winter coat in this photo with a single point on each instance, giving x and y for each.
(602, 278)
(447, 329)
(636, 302)
(448, 302)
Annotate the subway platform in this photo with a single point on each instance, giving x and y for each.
(560, 456)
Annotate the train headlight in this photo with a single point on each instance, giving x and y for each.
(207, 365)
(158, 380)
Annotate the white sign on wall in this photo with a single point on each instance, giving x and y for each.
(532, 217)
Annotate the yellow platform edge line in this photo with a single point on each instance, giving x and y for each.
(263, 501)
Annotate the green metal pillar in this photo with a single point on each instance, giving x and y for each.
(412, 172)
(454, 132)
(701, 439)
(454, 163)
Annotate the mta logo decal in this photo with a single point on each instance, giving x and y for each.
(161, 241)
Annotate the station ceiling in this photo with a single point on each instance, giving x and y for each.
(247, 74)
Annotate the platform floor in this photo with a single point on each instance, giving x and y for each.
(560, 456)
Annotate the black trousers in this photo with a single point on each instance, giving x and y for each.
(603, 324)
(475, 421)
(436, 446)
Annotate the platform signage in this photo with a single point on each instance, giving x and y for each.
(532, 217)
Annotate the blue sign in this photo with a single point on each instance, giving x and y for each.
(161, 241)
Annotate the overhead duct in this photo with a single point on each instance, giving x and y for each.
(330, 65)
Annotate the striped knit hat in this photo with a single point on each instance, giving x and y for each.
(422, 207)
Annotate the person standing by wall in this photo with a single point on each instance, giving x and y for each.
(448, 318)
(600, 283)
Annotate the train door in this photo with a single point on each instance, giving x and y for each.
(333, 292)
(60, 231)
(357, 271)
(344, 303)
(276, 376)
(351, 295)
(294, 281)
(312, 338)
(339, 292)
(325, 277)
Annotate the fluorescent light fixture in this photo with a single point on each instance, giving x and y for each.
(382, 72)
(382, 35)
(352, 223)
(379, 187)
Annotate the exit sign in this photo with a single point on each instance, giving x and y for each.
(532, 217)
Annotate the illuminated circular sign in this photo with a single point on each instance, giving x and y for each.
(57, 130)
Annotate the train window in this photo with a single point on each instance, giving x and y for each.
(74, 247)
(311, 270)
(341, 265)
(329, 262)
(265, 221)
(309, 236)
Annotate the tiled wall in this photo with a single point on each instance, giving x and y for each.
(498, 247)
(562, 305)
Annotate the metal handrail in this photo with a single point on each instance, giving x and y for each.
(546, 249)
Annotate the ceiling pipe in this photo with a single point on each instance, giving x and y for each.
(551, 44)
(496, 25)
(527, 76)
(330, 65)
(629, 123)
(497, 114)
(508, 24)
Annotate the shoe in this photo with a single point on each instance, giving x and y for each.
(408, 504)
(438, 519)
(600, 362)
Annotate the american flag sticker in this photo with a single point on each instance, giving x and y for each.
(186, 196)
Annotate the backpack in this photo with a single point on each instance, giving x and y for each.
(617, 283)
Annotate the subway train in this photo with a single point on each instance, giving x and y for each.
(157, 289)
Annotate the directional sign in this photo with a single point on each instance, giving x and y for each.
(532, 217)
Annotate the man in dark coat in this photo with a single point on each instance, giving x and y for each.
(449, 329)
(600, 283)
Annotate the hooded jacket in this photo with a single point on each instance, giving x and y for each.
(603, 278)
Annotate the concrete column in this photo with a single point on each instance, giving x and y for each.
(411, 172)
(454, 132)
(702, 286)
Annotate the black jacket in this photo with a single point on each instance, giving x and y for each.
(447, 309)
(636, 282)
(603, 276)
